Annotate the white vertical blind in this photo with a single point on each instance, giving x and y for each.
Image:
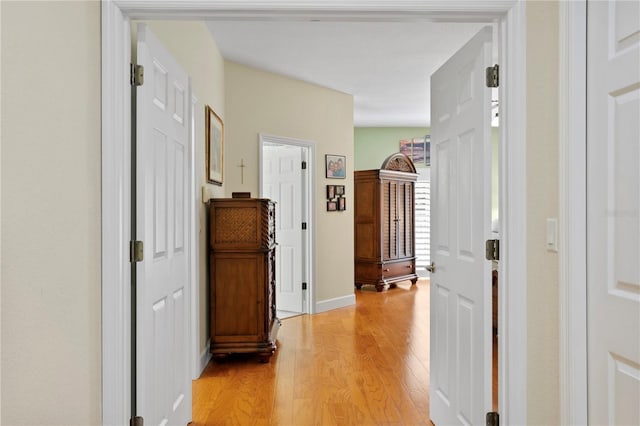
(423, 225)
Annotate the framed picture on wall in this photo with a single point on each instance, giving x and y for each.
(342, 204)
(331, 191)
(418, 149)
(335, 166)
(214, 134)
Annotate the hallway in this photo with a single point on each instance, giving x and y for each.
(362, 365)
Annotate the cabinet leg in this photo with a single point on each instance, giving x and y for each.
(264, 358)
(359, 286)
(379, 287)
(414, 281)
(220, 358)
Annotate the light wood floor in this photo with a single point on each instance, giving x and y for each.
(361, 365)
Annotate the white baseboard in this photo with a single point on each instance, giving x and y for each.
(335, 303)
(205, 357)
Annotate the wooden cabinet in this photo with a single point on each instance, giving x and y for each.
(385, 224)
(242, 276)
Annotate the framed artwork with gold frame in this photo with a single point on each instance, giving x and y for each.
(215, 146)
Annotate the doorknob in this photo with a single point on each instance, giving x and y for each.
(432, 268)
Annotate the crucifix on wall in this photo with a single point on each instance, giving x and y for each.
(242, 166)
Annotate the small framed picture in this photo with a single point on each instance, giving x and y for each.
(331, 191)
(335, 166)
(342, 203)
(332, 206)
(339, 189)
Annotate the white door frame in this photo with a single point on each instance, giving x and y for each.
(310, 205)
(573, 213)
(116, 179)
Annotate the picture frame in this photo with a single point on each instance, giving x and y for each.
(335, 166)
(417, 149)
(214, 135)
(342, 203)
(332, 206)
(331, 191)
(339, 190)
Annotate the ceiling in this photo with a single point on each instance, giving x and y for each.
(384, 65)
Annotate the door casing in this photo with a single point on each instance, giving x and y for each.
(573, 212)
(116, 178)
(309, 197)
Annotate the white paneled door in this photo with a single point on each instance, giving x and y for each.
(613, 212)
(162, 109)
(282, 182)
(460, 373)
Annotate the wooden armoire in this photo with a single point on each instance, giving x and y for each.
(241, 271)
(385, 224)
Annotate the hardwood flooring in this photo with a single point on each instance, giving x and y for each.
(361, 365)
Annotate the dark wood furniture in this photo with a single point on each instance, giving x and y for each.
(242, 276)
(385, 224)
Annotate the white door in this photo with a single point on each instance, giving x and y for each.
(460, 222)
(282, 182)
(613, 217)
(162, 109)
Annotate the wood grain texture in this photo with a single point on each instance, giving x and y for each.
(362, 365)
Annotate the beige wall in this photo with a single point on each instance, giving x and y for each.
(51, 201)
(543, 394)
(51, 305)
(192, 46)
(261, 102)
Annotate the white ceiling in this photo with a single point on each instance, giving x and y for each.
(385, 65)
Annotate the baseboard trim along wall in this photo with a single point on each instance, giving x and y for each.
(205, 357)
(335, 303)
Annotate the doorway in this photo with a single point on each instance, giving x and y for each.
(286, 170)
(115, 140)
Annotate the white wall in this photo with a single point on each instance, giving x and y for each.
(261, 102)
(192, 46)
(51, 272)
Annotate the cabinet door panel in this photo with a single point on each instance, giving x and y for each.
(236, 312)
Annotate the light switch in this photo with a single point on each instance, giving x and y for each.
(552, 234)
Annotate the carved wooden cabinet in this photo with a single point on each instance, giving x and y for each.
(242, 276)
(385, 224)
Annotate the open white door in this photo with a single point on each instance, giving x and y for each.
(163, 394)
(460, 222)
(282, 182)
(613, 212)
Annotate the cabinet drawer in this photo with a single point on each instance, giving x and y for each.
(398, 268)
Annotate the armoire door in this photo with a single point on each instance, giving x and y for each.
(405, 219)
(390, 219)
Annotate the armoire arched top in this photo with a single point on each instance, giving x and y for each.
(398, 162)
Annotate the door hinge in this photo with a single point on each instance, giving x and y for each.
(493, 79)
(304, 165)
(304, 226)
(492, 249)
(136, 251)
(493, 419)
(304, 286)
(137, 75)
(136, 421)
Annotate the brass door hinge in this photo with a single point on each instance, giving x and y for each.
(493, 78)
(136, 421)
(136, 75)
(492, 249)
(493, 419)
(136, 251)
